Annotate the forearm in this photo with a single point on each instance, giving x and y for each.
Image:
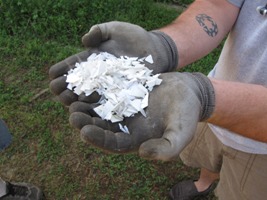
(241, 108)
(189, 31)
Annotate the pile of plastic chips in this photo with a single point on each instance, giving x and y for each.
(124, 84)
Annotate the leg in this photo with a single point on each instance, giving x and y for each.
(195, 155)
(5, 136)
(8, 190)
(243, 176)
(206, 178)
(3, 190)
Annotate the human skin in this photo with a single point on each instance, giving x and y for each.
(239, 107)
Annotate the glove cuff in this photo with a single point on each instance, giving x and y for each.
(207, 95)
(172, 51)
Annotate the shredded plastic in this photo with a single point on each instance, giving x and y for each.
(124, 84)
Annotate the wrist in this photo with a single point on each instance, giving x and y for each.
(206, 95)
(171, 49)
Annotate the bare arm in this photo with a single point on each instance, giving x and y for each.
(241, 108)
(201, 28)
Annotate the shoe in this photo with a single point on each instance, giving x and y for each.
(186, 190)
(22, 191)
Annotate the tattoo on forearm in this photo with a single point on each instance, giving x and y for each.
(209, 26)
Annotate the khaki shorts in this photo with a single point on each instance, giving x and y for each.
(243, 176)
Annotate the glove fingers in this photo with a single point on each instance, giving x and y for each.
(166, 148)
(100, 33)
(99, 37)
(84, 108)
(117, 38)
(58, 85)
(64, 66)
(156, 149)
(79, 120)
(93, 38)
(118, 142)
(93, 98)
(169, 146)
(67, 97)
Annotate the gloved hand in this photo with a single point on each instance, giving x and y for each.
(174, 109)
(119, 39)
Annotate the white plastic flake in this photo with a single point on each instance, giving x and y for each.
(149, 59)
(124, 84)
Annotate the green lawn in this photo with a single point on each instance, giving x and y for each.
(46, 151)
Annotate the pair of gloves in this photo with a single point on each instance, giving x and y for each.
(174, 108)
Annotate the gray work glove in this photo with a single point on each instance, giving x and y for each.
(174, 109)
(119, 39)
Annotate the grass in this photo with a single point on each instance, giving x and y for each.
(46, 151)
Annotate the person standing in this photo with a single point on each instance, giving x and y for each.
(216, 122)
(11, 190)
